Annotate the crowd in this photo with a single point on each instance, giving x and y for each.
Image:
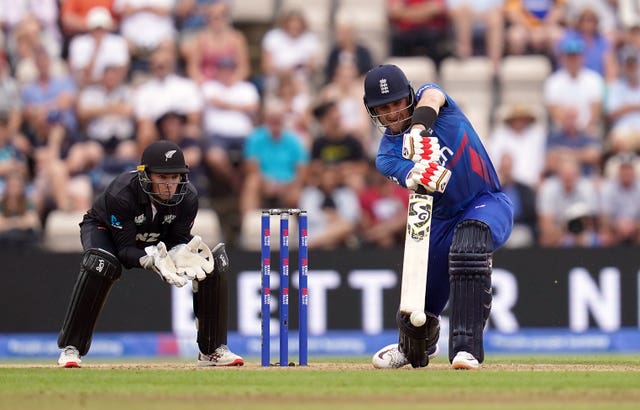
(85, 85)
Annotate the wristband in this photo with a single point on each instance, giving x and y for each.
(425, 116)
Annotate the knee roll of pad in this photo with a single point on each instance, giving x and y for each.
(99, 270)
(470, 287)
(415, 342)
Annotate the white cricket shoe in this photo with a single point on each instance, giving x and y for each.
(390, 357)
(69, 357)
(222, 356)
(464, 361)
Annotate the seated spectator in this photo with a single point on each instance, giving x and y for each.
(478, 19)
(26, 42)
(533, 27)
(275, 163)
(165, 91)
(106, 113)
(290, 47)
(11, 160)
(345, 88)
(569, 139)
(90, 53)
(73, 16)
(623, 106)
(19, 222)
(598, 50)
(567, 205)
(231, 109)
(42, 18)
(384, 211)
(523, 198)
(147, 25)
(216, 41)
(291, 92)
(191, 16)
(419, 27)
(332, 145)
(10, 101)
(334, 211)
(521, 134)
(619, 218)
(573, 87)
(347, 47)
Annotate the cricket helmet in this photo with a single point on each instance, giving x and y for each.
(163, 157)
(385, 84)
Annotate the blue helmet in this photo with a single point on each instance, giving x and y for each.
(384, 84)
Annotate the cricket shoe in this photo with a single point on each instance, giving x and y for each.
(69, 357)
(390, 357)
(222, 356)
(465, 361)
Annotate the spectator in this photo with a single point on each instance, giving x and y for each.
(533, 27)
(473, 19)
(347, 47)
(573, 87)
(419, 27)
(90, 53)
(293, 93)
(619, 218)
(147, 25)
(106, 113)
(218, 40)
(597, 50)
(523, 198)
(10, 101)
(334, 211)
(290, 48)
(520, 133)
(19, 222)
(42, 14)
(623, 106)
(337, 147)
(73, 16)
(345, 88)
(191, 16)
(11, 160)
(231, 109)
(569, 139)
(166, 91)
(567, 205)
(384, 211)
(275, 164)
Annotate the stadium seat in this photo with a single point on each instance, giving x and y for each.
(250, 234)
(522, 78)
(369, 18)
(207, 225)
(245, 11)
(419, 69)
(62, 231)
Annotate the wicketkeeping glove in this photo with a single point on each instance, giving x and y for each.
(432, 176)
(419, 145)
(193, 259)
(158, 260)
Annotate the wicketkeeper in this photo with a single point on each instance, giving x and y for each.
(429, 144)
(143, 220)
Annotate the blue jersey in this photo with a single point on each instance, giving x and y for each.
(472, 172)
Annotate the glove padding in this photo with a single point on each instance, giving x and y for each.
(418, 145)
(432, 176)
(193, 259)
(415, 342)
(158, 260)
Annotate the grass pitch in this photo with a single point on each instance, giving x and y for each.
(586, 382)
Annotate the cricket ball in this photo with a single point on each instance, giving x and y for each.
(418, 318)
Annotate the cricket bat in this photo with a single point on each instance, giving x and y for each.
(416, 258)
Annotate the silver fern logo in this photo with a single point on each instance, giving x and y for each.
(169, 154)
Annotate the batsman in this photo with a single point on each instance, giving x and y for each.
(143, 220)
(429, 146)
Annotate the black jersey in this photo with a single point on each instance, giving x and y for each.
(135, 221)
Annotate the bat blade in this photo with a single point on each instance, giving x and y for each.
(416, 253)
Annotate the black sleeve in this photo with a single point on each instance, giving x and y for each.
(181, 228)
(123, 231)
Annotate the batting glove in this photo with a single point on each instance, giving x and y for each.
(193, 259)
(419, 145)
(430, 175)
(158, 260)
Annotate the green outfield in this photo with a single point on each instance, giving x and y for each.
(586, 382)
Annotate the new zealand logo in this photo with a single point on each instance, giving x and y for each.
(169, 154)
(139, 220)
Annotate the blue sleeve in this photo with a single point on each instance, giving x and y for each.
(391, 163)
